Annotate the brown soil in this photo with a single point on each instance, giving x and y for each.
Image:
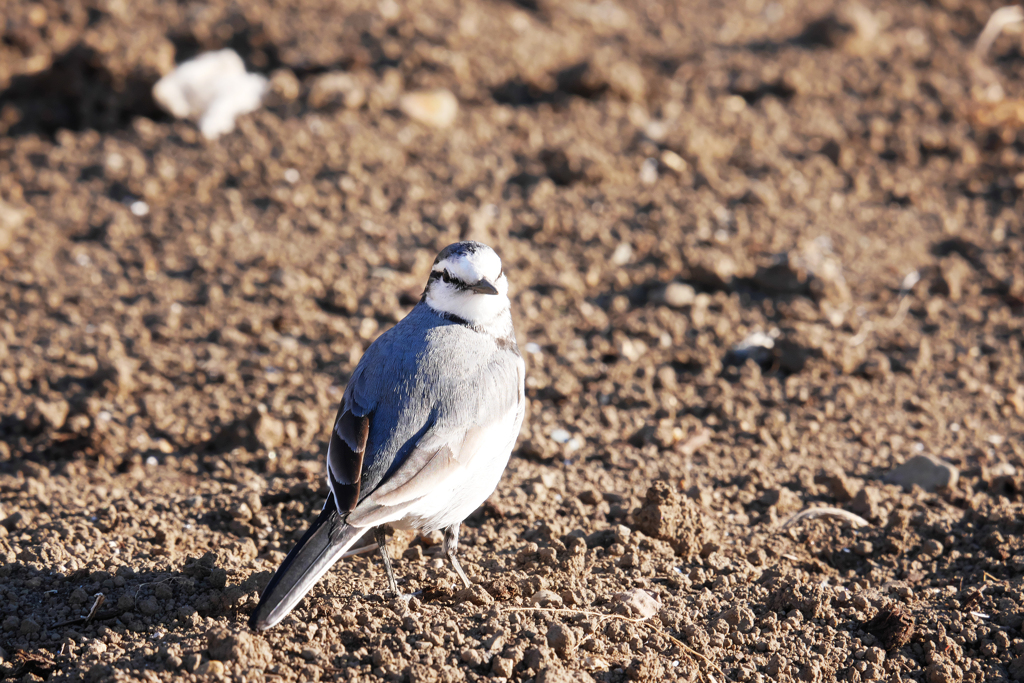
(661, 182)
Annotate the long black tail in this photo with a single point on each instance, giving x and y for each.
(322, 545)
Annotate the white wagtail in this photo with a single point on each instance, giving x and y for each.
(425, 428)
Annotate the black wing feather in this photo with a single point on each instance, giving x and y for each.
(345, 458)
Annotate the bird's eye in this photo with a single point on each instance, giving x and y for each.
(446, 276)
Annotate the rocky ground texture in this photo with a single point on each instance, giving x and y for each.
(766, 257)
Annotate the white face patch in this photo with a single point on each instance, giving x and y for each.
(451, 280)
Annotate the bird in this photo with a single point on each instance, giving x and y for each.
(425, 429)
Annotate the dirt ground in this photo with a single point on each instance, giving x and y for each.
(761, 255)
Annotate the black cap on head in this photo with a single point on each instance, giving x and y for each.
(460, 249)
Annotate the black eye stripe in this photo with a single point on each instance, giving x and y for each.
(448, 278)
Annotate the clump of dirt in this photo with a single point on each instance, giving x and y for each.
(672, 517)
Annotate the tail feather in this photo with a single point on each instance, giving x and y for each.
(322, 545)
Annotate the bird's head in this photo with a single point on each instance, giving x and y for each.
(467, 281)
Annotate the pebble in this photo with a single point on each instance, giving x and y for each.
(639, 603)
(211, 667)
(213, 88)
(926, 471)
(475, 594)
(336, 87)
(436, 108)
(310, 654)
(649, 171)
(622, 254)
(502, 667)
(561, 639)
(561, 436)
(678, 294)
(546, 598)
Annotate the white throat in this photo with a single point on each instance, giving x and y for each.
(487, 311)
(468, 282)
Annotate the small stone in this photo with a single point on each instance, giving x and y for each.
(437, 108)
(284, 84)
(310, 654)
(191, 661)
(546, 598)
(931, 547)
(241, 512)
(211, 667)
(413, 553)
(269, 431)
(474, 594)
(54, 414)
(502, 667)
(337, 88)
(29, 625)
(472, 657)
(741, 617)
(214, 88)
(637, 603)
(149, 606)
(867, 503)
(561, 639)
(678, 294)
(864, 548)
(252, 499)
(842, 488)
(926, 471)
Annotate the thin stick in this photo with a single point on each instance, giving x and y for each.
(1000, 19)
(811, 513)
(361, 551)
(639, 621)
(100, 599)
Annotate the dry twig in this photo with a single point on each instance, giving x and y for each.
(1000, 19)
(810, 513)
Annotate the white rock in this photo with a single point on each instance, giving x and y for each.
(639, 603)
(213, 88)
(437, 108)
(649, 172)
(926, 471)
(679, 294)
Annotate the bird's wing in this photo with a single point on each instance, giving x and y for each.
(345, 455)
(484, 416)
(436, 458)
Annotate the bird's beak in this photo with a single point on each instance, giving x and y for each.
(484, 287)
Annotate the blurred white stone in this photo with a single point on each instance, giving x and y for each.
(214, 89)
(679, 294)
(649, 171)
(437, 108)
(622, 254)
(337, 86)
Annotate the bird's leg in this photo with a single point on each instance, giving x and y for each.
(451, 545)
(382, 542)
